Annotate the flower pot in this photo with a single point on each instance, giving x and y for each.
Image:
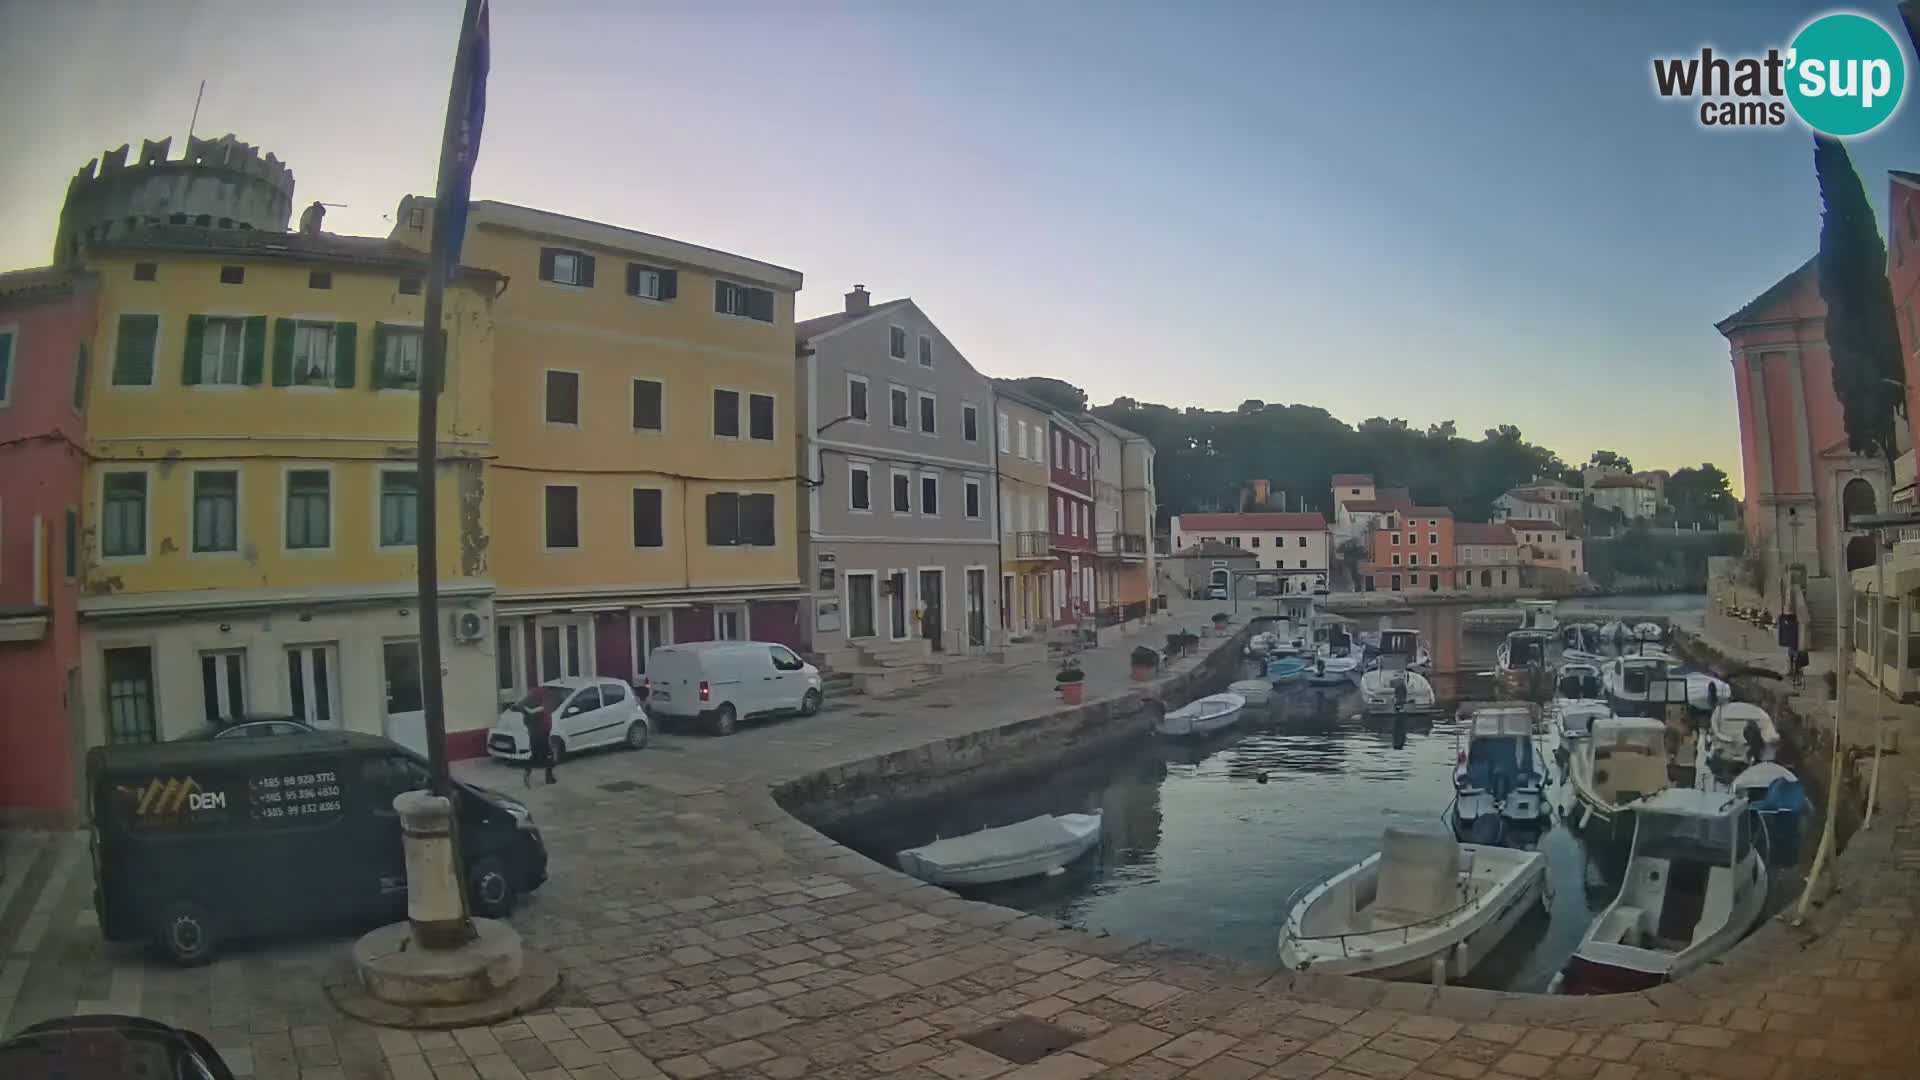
(1143, 672)
(1073, 693)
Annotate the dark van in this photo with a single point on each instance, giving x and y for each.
(194, 842)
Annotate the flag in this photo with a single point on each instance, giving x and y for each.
(458, 155)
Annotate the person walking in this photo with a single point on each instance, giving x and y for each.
(539, 744)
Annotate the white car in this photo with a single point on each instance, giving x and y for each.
(720, 683)
(587, 712)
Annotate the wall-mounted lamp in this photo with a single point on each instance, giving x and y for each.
(404, 613)
(224, 627)
(306, 616)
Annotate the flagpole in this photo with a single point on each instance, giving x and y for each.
(433, 372)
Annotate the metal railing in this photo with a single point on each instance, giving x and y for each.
(1032, 545)
(1123, 543)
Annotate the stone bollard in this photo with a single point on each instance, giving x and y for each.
(436, 907)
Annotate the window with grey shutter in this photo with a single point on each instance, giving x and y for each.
(646, 405)
(926, 351)
(857, 398)
(756, 520)
(898, 407)
(897, 342)
(723, 519)
(902, 493)
(726, 413)
(563, 397)
(760, 417)
(563, 516)
(647, 530)
(859, 487)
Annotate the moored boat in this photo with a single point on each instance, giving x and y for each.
(1694, 885)
(1496, 778)
(1215, 712)
(1425, 906)
(1538, 615)
(1036, 846)
(1523, 658)
(1740, 734)
(1256, 691)
(1391, 687)
(1623, 759)
(1282, 670)
(1332, 670)
(1649, 631)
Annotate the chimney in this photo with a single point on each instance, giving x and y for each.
(858, 300)
(1260, 492)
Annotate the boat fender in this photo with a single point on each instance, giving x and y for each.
(1439, 970)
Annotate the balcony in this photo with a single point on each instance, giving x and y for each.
(1033, 545)
(1126, 545)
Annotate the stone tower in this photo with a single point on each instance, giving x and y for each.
(220, 183)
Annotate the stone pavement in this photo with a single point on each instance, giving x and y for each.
(704, 932)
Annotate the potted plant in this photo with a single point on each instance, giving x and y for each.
(1189, 642)
(1072, 683)
(1176, 643)
(1220, 621)
(1145, 663)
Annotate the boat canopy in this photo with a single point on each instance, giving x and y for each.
(1527, 647)
(1683, 824)
(1399, 641)
(1629, 732)
(1504, 719)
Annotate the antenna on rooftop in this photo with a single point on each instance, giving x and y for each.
(191, 124)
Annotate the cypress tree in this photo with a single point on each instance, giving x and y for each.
(1862, 339)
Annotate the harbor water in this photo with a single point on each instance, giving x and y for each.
(1206, 841)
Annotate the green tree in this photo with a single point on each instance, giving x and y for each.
(1058, 393)
(1607, 459)
(1352, 553)
(1700, 496)
(1862, 338)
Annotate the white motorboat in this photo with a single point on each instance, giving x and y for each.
(1425, 906)
(1643, 685)
(1262, 643)
(1391, 686)
(1579, 681)
(1256, 691)
(1575, 717)
(1649, 631)
(1215, 712)
(1538, 615)
(1496, 777)
(1332, 670)
(1622, 759)
(1525, 655)
(1580, 637)
(1728, 748)
(1615, 632)
(1694, 885)
(1038, 845)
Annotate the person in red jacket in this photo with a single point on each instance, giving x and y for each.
(539, 744)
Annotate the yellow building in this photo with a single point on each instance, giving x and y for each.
(249, 508)
(1026, 542)
(646, 483)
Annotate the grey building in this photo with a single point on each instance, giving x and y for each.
(900, 516)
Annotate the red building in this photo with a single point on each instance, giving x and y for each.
(1412, 550)
(1903, 273)
(46, 320)
(1070, 521)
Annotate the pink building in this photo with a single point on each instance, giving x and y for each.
(46, 319)
(1903, 273)
(1793, 442)
(1070, 520)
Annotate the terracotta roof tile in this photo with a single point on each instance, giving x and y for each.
(1474, 532)
(1255, 522)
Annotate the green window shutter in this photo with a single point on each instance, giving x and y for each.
(133, 350)
(345, 337)
(283, 352)
(256, 350)
(196, 341)
(377, 364)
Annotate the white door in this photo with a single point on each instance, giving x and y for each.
(784, 681)
(580, 721)
(406, 717)
(313, 684)
(565, 648)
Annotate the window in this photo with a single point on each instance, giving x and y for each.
(857, 398)
(223, 685)
(311, 691)
(217, 361)
(926, 351)
(647, 415)
(897, 342)
(6, 367)
(399, 507)
(1303, 542)
(1233, 541)
(563, 516)
(647, 514)
(123, 519)
(81, 365)
(563, 397)
(319, 279)
(315, 348)
(902, 493)
(970, 423)
(145, 271)
(744, 301)
(409, 286)
(309, 509)
(897, 401)
(396, 357)
(1303, 564)
(1413, 560)
(930, 494)
(73, 543)
(1256, 541)
(760, 417)
(737, 520)
(1023, 438)
(1433, 538)
(233, 275)
(928, 417)
(133, 351)
(730, 622)
(726, 413)
(1060, 523)
(651, 629)
(1059, 446)
(565, 267)
(973, 499)
(216, 501)
(1431, 522)
(1396, 558)
(859, 488)
(130, 712)
(1003, 432)
(400, 665)
(652, 282)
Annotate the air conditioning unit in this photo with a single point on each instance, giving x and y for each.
(467, 626)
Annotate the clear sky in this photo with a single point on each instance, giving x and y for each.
(1390, 209)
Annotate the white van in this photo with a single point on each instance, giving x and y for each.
(721, 683)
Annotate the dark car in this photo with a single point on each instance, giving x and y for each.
(109, 1047)
(197, 841)
(251, 725)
